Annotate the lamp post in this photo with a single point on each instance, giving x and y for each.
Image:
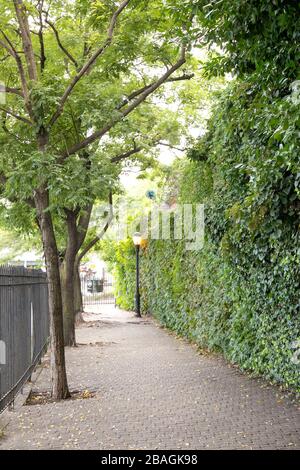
(137, 239)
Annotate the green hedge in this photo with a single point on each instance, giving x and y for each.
(120, 257)
(204, 298)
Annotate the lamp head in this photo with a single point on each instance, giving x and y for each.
(137, 238)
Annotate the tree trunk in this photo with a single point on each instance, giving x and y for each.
(72, 298)
(78, 302)
(67, 284)
(58, 369)
(67, 279)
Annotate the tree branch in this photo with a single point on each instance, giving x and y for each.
(20, 118)
(61, 46)
(6, 47)
(142, 97)
(26, 38)
(83, 224)
(137, 149)
(16, 91)
(3, 179)
(185, 76)
(171, 146)
(136, 93)
(8, 132)
(41, 35)
(128, 154)
(89, 63)
(13, 52)
(3, 59)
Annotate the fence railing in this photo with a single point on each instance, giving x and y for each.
(98, 291)
(24, 327)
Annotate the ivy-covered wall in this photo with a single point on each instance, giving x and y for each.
(120, 257)
(240, 294)
(252, 319)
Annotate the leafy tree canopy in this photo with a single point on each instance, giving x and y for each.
(65, 35)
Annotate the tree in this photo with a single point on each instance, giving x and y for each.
(60, 104)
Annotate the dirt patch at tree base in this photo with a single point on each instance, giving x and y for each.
(44, 398)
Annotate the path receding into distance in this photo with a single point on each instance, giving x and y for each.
(153, 391)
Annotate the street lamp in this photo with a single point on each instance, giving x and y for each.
(137, 240)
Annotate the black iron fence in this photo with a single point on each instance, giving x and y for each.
(97, 290)
(24, 327)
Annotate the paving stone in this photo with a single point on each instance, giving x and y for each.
(153, 391)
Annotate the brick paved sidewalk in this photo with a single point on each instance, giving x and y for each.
(153, 391)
